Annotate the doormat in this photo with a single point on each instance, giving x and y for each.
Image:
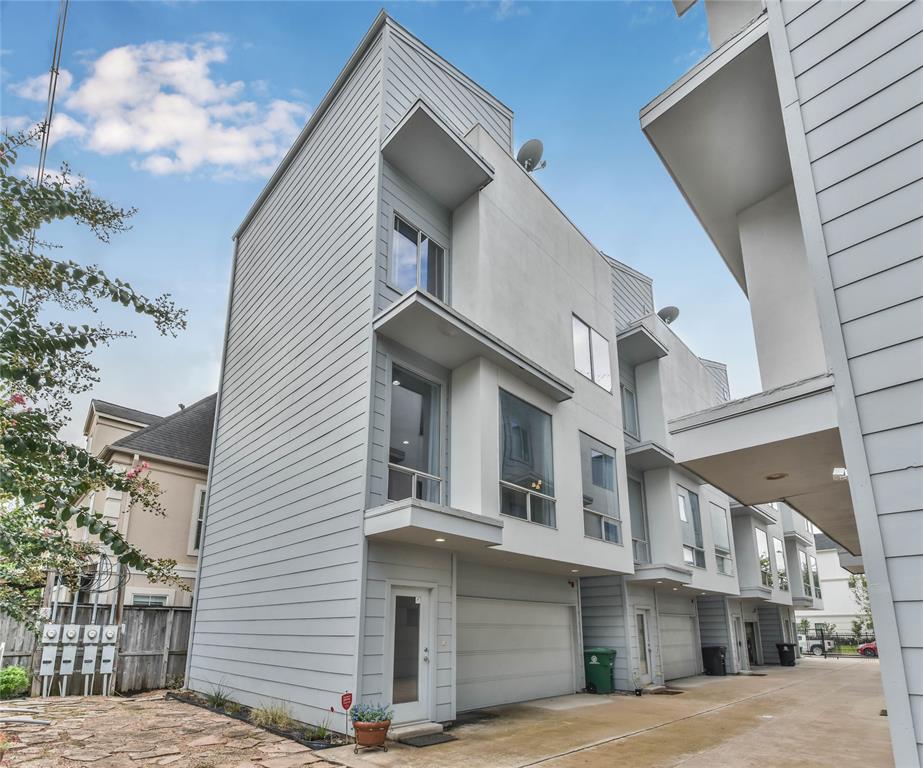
(429, 740)
(668, 692)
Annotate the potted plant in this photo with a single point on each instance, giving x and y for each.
(371, 723)
(636, 679)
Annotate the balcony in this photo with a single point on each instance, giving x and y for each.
(413, 521)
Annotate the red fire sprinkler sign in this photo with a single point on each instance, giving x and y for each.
(346, 700)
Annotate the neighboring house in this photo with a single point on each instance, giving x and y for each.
(708, 571)
(797, 143)
(840, 606)
(176, 448)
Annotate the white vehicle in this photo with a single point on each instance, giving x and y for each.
(813, 645)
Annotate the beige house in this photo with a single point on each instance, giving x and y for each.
(176, 448)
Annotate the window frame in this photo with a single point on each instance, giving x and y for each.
(636, 434)
(815, 575)
(529, 492)
(805, 573)
(721, 553)
(131, 592)
(603, 517)
(199, 497)
(765, 573)
(635, 541)
(575, 318)
(421, 233)
(442, 478)
(698, 550)
(778, 547)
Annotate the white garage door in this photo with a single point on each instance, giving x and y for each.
(512, 650)
(678, 645)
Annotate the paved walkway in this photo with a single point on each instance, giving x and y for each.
(147, 731)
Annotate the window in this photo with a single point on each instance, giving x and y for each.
(640, 545)
(630, 412)
(691, 519)
(198, 517)
(719, 532)
(815, 576)
(417, 260)
(413, 449)
(600, 494)
(148, 600)
(805, 572)
(526, 463)
(762, 553)
(781, 570)
(591, 354)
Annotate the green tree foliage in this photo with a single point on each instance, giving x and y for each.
(859, 587)
(45, 483)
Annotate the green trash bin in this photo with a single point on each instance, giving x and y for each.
(600, 669)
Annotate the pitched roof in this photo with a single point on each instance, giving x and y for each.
(121, 412)
(185, 435)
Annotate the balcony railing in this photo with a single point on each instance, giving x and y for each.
(641, 550)
(410, 483)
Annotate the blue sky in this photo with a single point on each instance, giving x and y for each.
(575, 75)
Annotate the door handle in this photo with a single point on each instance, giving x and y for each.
(426, 654)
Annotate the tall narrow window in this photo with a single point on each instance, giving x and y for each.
(601, 519)
(591, 354)
(815, 576)
(762, 553)
(691, 523)
(413, 451)
(640, 543)
(781, 570)
(719, 532)
(805, 572)
(417, 260)
(199, 517)
(630, 412)
(526, 462)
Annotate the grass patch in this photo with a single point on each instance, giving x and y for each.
(272, 716)
(219, 698)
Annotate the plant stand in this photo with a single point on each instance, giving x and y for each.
(371, 735)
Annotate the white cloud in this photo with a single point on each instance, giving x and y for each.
(508, 8)
(161, 103)
(36, 88)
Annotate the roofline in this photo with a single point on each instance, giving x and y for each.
(111, 449)
(315, 118)
(92, 410)
(630, 270)
(378, 24)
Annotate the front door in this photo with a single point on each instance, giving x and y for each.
(410, 653)
(752, 646)
(743, 661)
(644, 648)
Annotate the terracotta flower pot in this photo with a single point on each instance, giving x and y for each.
(371, 734)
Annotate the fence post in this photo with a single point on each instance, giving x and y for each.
(36, 661)
(167, 642)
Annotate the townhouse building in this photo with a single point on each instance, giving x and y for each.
(176, 450)
(797, 143)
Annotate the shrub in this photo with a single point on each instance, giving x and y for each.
(370, 713)
(219, 698)
(318, 732)
(14, 681)
(272, 716)
(174, 682)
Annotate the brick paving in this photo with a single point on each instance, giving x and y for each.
(146, 730)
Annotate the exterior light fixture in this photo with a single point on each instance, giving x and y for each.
(777, 475)
(575, 570)
(396, 383)
(840, 473)
(405, 442)
(676, 589)
(660, 582)
(441, 540)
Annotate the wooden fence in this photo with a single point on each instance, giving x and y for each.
(151, 654)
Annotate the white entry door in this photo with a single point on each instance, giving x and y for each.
(410, 618)
(642, 629)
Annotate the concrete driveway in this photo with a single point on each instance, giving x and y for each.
(820, 713)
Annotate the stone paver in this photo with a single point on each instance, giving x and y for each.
(145, 731)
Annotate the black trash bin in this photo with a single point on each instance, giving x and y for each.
(786, 654)
(713, 657)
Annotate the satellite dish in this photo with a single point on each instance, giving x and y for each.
(668, 314)
(530, 155)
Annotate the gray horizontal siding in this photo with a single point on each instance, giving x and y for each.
(602, 607)
(770, 632)
(713, 621)
(859, 78)
(279, 588)
(414, 71)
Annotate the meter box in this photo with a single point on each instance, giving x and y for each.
(109, 638)
(51, 636)
(91, 635)
(69, 636)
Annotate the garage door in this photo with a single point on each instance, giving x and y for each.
(678, 645)
(512, 650)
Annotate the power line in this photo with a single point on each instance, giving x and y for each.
(52, 90)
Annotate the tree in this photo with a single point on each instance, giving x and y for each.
(859, 587)
(857, 625)
(804, 626)
(45, 483)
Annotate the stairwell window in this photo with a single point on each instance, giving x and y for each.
(630, 412)
(591, 355)
(601, 519)
(781, 570)
(805, 572)
(721, 537)
(691, 522)
(526, 461)
(198, 520)
(762, 553)
(815, 576)
(640, 544)
(417, 261)
(413, 449)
